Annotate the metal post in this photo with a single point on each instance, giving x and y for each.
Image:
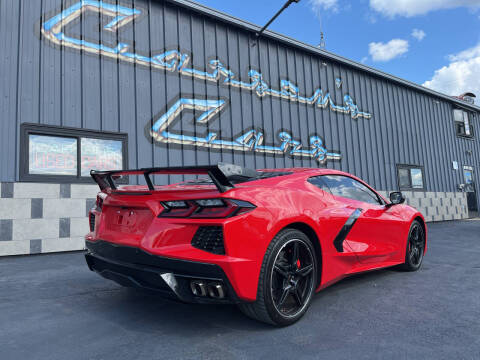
(287, 4)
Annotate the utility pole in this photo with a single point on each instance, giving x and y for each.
(322, 41)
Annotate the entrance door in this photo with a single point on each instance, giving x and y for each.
(470, 189)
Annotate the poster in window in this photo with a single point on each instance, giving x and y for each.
(52, 155)
(466, 122)
(100, 154)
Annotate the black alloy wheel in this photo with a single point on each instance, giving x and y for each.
(292, 279)
(287, 281)
(415, 247)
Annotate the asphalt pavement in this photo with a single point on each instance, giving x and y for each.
(53, 307)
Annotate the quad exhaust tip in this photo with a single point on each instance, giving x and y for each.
(199, 288)
(214, 290)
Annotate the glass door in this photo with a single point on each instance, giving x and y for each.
(470, 189)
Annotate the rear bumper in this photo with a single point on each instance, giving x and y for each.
(134, 267)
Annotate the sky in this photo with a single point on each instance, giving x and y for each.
(435, 43)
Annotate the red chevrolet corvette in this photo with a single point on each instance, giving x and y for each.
(266, 240)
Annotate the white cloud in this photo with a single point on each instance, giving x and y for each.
(411, 8)
(319, 5)
(418, 34)
(466, 54)
(461, 75)
(387, 51)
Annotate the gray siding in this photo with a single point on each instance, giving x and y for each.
(57, 85)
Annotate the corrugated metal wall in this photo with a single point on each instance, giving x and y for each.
(49, 84)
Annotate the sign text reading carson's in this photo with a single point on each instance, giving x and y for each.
(177, 61)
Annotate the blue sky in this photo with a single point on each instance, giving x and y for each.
(430, 42)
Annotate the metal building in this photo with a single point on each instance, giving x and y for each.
(135, 83)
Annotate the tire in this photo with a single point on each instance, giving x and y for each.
(282, 274)
(415, 247)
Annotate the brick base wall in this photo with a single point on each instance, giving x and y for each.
(41, 218)
(437, 206)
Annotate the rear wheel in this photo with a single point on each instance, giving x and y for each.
(287, 282)
(415, 247)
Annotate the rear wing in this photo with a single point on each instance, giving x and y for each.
(219, 174)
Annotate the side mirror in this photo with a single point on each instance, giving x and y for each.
(396, 198)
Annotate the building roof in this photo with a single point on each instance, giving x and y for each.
(218, 15)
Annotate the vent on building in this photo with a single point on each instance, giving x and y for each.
(467, 97)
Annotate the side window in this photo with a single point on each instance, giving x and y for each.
(410, 177)
(463, 123)
(318, 182)
(351, 189)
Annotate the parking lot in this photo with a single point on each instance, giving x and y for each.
(53, 307)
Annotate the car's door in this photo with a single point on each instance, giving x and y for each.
(373, 231)
(331, 219)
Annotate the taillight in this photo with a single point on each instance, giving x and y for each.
(177, 209)
(92, 222)
(99, 203)
(205, 208)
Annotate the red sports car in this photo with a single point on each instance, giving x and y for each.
(266, 240)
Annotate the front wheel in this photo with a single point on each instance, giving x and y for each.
(415, 247)
(287, 282)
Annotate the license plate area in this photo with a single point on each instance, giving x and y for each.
(128, 220)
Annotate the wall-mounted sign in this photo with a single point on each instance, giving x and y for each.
(175, 61)
(251, 140)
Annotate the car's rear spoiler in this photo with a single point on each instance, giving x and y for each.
(218, 173)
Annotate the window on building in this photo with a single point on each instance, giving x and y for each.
(463, 122)
(100, 154)
(349, 188)
(59, 154)
(410, 177)
(52, 155)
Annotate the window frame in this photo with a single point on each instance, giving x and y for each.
(456, 123)
(409, 167)
(27, 129)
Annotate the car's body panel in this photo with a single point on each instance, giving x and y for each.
(377, 238)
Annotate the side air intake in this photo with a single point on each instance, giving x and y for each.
(209, 238)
